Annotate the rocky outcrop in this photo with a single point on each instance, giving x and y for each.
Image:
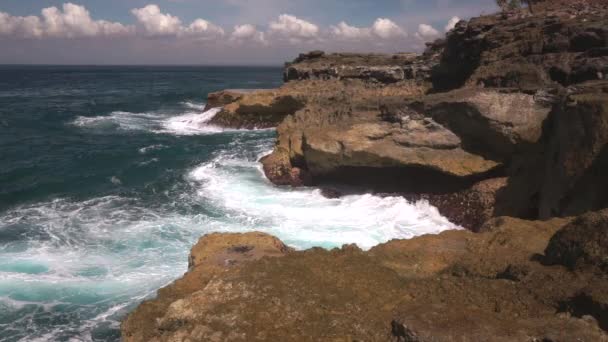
(497, 103)
(471, 207)
(256, 109)
(493, 122)
(506, 116)
(224, 97)
(524, 51)
(211, 259)
(377, 68)
(563, 174)
(454, 286)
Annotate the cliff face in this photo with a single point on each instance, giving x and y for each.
(508, 116)
(385, 69)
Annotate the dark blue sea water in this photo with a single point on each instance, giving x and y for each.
(108, 175)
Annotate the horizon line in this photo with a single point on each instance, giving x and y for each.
(143, 65)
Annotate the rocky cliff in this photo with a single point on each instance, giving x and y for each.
(500, 124)
(536, 281)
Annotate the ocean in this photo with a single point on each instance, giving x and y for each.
(109, 175)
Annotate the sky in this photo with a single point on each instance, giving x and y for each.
(219, 32)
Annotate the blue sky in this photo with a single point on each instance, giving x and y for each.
(218, 31)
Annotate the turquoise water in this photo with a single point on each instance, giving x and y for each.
(108, 175)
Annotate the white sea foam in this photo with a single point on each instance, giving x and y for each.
(120, 120)
(303, 217)
(151, 148)
(192, 123)
(193, 105)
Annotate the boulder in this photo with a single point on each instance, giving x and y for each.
(582, 243)
(279, 171)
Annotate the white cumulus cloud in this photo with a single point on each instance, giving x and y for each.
(452, 23)
(152, 22)
(247, 32)
(387, 29)
(427, 32)
(155, 23)
(293, 28)
(72, 21)
(345, 31)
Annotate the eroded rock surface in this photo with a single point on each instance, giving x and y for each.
(454, 286)
(557, 44)
(564, 173)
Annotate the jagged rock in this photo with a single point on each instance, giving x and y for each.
(434, 288)
(223, 250)
(384, 69)
(471, 208)
(496, 123)
(582, 243)
(224, 97)
(564, 173)
(525, 52)
(257, 109)
(210, 259)
(279, 171)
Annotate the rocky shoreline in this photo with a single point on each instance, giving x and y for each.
(502, 125)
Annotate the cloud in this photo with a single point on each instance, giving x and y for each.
(73, 22)
(382, 28)
(387, 29)
(452, 23)
(203, 29)
(427, 32)
(153, 23)
(247, 32)
(294, 29)
(345, 31)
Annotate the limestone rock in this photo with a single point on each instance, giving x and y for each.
(445, 287)
(258, 109)
(525, 52)
(224, 97)
(563, 174)
(376, 68)
(582, 243)
(177, 305)
(493, 122)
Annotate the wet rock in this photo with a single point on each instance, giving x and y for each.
(279, 171)
(471, 208)
(224, 97)
(331, 193)
(257, 109)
